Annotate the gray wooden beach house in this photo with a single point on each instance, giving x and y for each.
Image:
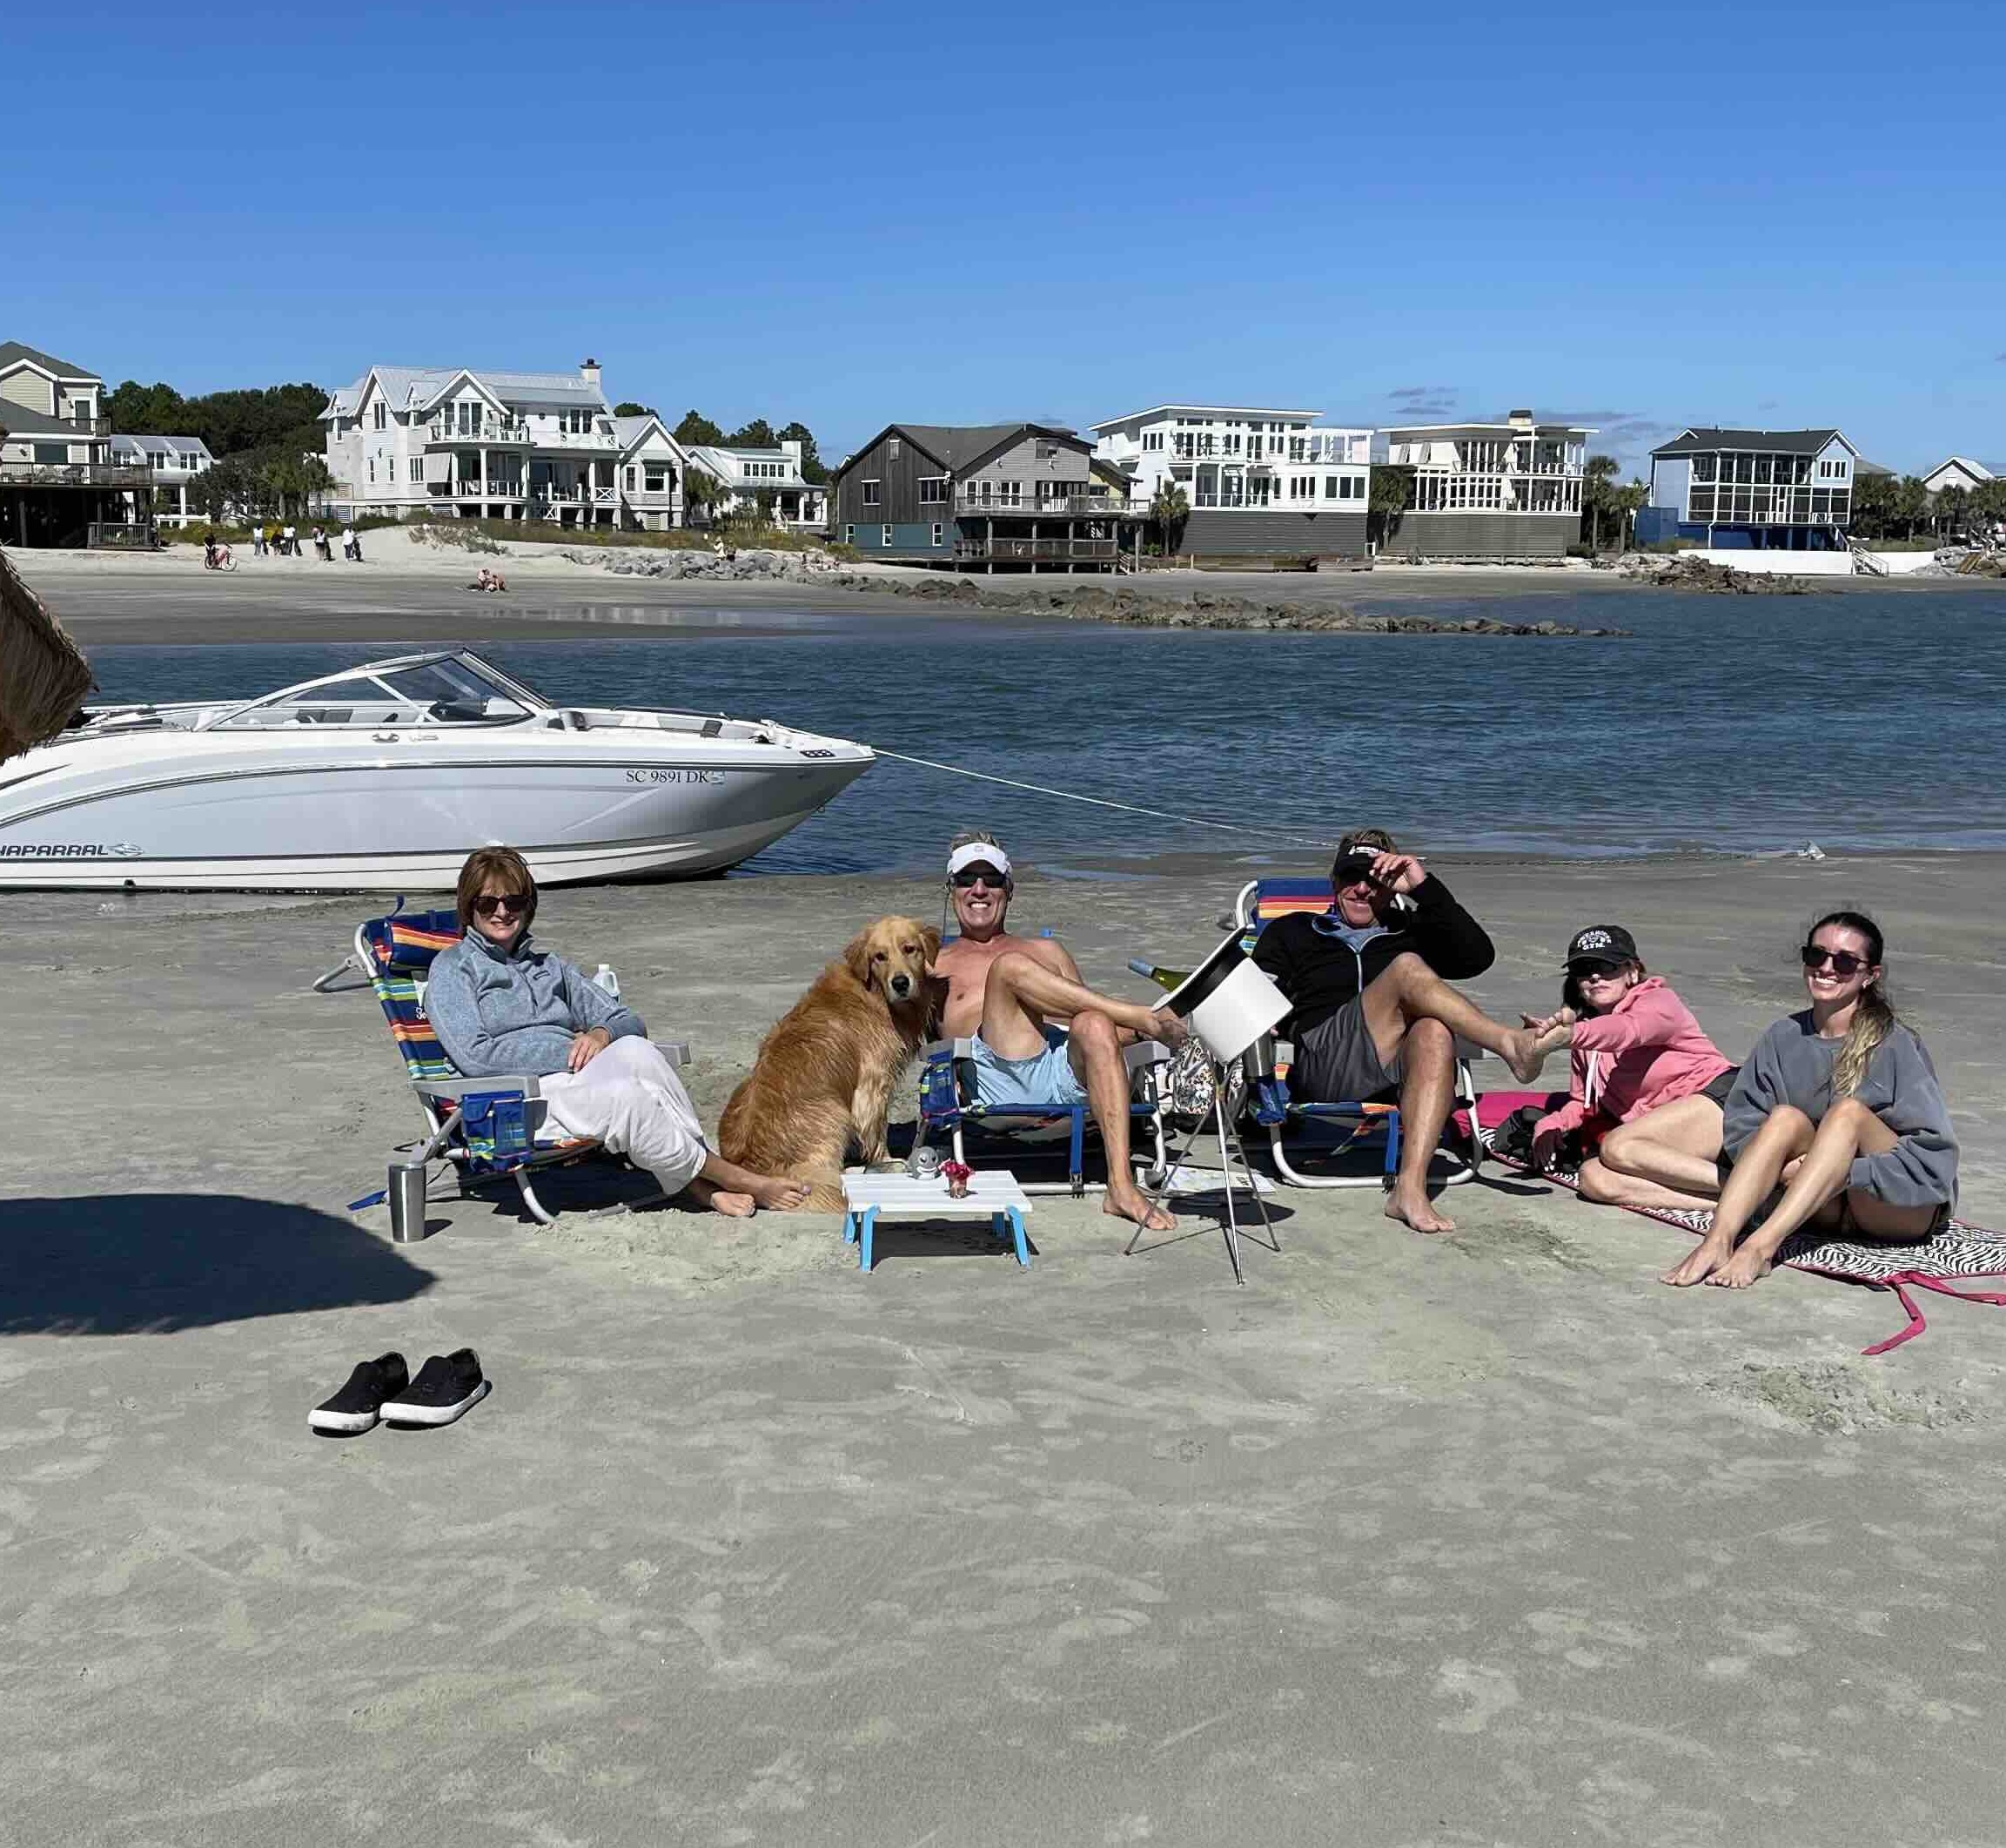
(1023, 496)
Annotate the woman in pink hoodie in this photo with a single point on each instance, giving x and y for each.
(1644, 1075)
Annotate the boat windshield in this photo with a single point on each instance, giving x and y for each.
(449, 689)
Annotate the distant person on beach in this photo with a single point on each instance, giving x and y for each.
(500, 1005)
(258, 548)
(485, 579)
(288, 541)
(350, 545)
(1839, 1106)
(1368, 982)
(1040, 1036)
(321, 545)
(1647, 1085)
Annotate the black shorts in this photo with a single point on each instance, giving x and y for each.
(1719, 1089)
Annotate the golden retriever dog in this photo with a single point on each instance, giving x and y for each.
(824, 1073)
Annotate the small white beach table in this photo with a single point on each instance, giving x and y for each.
(993, 1195)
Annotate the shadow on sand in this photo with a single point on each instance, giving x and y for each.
(153, 1263)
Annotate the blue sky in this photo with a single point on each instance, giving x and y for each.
(1646, 217)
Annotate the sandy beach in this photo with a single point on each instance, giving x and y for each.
(1483, 1539)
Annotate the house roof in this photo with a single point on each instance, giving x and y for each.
(1786, 442)
(633, 432)
(407, 387)
(1396, 433)
(1977, 471)
(165, 445)
(1209, 410)
(962, 447)
(19, 420)
(12, 351)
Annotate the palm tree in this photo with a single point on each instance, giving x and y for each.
(1168, 510)
(700, 490)
(1599, 490)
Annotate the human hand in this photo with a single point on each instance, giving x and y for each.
(1398, 872)
(588, 1046)
(1546, 1150)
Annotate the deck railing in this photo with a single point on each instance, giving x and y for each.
(76, 474)
(1038, 551)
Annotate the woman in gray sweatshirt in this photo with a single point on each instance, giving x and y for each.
(1840, 1105)
(500, 1005)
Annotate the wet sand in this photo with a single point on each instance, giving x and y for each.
(1482, 1539)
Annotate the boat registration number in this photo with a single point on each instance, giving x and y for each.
(675, 775)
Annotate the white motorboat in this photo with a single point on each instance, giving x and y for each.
(383, 778)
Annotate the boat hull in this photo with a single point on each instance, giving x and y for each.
(393, 820)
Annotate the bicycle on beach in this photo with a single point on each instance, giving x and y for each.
(218, 558)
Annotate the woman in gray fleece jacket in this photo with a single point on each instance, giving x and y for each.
(1841, 1107)
(500, 1005)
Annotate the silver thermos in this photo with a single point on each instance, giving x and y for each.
(406, 1195)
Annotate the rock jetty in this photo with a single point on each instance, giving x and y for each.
(1681, 571)
(1089, 601)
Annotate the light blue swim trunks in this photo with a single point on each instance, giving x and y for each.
(1044, 1078)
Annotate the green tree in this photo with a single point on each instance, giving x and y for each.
(1985, 506)
(757, 435)
(695, 427)
(146, 410)
(1911, 504)
(1170, 507)
(812, 468)
(702, 490)
(627, 408)
(1874, 506)
(1392, 492)
(1599, 489)
(1950, 512)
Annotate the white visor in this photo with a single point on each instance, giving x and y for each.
(978, 853)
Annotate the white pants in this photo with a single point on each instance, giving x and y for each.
(630, 1098)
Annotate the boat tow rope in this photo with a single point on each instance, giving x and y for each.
(1100, 801)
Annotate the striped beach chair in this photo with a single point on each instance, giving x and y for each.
(1258, 904)
(488, 1128)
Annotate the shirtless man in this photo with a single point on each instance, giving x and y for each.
(1040, 1037)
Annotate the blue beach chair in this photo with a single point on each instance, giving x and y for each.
(1257, 904)
(948, 1108)
(488, 1128)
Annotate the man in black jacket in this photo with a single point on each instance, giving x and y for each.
(1372, 1010)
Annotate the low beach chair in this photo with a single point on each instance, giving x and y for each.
(948, 1107)
(1257, 904)
(488, 1128)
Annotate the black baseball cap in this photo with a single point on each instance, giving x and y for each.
(1354, 863)
(1602, 946)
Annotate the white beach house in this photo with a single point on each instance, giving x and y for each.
(58, 483)
(771, 478)
(1261, 482)
(480, 444)
(177, 461)
(1490, 490)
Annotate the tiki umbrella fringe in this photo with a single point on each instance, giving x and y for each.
(42, 673)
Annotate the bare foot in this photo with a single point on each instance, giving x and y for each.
(734, 1205)
(1170, 1028)
(1701, 1265)
(779, 1193)
(1129, 1204)
(1524, 1054)
(1745, 1267)
(1417, 1212)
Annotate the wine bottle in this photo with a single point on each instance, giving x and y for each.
(1166, 980)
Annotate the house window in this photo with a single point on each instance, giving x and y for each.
(373, 471)
(893, 446)
(630, 481)
(887, 531)
(850, 535)
(932, 490)
(872, 497)
(657, 481)
(382, 417)
(1009, 493)
(1047, 451)
(1302, 488)
(939, 533)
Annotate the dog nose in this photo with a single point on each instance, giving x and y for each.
(900, 984)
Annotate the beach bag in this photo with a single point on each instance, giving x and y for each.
(1512, 1140)
(1189, 1085)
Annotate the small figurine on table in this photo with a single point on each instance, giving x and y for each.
(958, 1174)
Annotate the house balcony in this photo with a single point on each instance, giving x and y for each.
(491, 436)
(1057, 507)
(76, 474)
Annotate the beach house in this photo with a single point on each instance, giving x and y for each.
(1260, 483)
(1507, 490)
(1752, 490)
(770, 479)
(176, 462)
(1023, 496)
(1960, 472)
(58, 483)
(457, 442)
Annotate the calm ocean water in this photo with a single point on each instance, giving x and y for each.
(1862, 720)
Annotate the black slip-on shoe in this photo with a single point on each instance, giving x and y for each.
(448, 1386)
(355, 1408)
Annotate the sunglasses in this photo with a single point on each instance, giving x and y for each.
(1843, 962)
(509, 904)
(970, 875)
